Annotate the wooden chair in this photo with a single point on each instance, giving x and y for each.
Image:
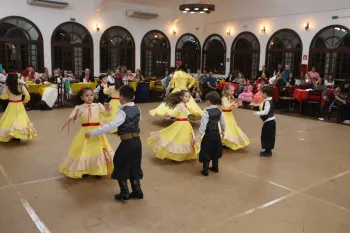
(314, 101)
(158, 91)
(336, 110)
(60, 94)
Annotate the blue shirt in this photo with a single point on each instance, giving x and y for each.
(286, 74)
(212, 81)
(168, 79)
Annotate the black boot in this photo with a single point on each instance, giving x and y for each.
(215, 165)
(136, 189)
(124, 191)
(205, 171)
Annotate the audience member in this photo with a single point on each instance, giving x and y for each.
(46, 75)
(230, 77)
(110, 77)
(286, 73)
(342, 102)
(86, 77)
(278, 70)
(68, 76)
(242, 82)
(138, 76)
(211, 81)
(313, 74)
(263, 70)
(329, 82)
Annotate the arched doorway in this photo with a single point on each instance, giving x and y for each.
(245, 54)
(188, 50)
(21, 44)
(214, 54)
(155, 53)
(284, 47)
(117, 48)
(330, 52)
(72, 48)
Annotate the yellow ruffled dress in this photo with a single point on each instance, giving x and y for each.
(179, 82)
(234, 137)
(175, 141)
(114, 103)
(88, 156)
(15, 123)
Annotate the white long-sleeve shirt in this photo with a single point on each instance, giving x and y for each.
(118, 120)
(205, 120)
(266, 110)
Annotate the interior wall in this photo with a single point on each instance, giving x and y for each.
(113, 14)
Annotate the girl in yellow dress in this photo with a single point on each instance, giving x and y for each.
(179, 83)
(14, 123)
(234, 137)
(92, 156)
(113, 91)
(174, 142)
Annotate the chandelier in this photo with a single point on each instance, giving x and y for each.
(197, 8)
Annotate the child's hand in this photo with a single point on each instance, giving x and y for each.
(88, 135)
(167, 116)
(222, 135)
(77, 113)
(255, 113)
(107, 106)
(194, 141)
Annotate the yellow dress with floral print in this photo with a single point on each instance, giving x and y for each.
(88, 156)
(234, 138)
(175, 141)
(15, 122)
(179, 82)
(114, 103)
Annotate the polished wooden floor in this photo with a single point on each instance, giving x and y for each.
(303, 188)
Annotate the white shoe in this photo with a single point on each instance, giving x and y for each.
(321, 119)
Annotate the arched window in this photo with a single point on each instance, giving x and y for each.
(285, 48)
(21, 44)
(214, 54)
(245, 54)
(72, 48)
(188, 50)
(155, 53)
(330, 52)
(117, 48)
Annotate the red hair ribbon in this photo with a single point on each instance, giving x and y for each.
(179, 63)
(12, 73)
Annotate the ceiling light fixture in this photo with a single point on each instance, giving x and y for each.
(197, 7)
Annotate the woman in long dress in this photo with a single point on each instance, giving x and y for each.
(180, 82)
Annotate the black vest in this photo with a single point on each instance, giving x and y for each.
(270, 113)
(131, 123)
(214, 118)
(102, 97)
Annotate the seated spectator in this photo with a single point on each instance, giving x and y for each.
(198, 75)
(278, 70)
(46, 75)
(342, 102)
(123, 71)
(281, 84)
(329, 82)
(128, 77)
(286, 73)
(189, 72)
(196, 94)
(86, 77)
(117, 74)
(26, 71)
(68, 76)
(314, 75)
(211, 81)
(263, 77)
(230, 78)
(263, 70)
(242, 82)
(138, 76)
(291, 81)
(247, 94)
(203, 78)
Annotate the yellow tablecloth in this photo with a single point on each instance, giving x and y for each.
(133, 84)
(37, 88)
(152, 85)
(77, 86)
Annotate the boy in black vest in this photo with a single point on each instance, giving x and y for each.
(268, 133)
(102, 97)
(211, 146)
(127, 158)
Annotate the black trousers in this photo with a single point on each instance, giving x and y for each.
(127, 160)
(344, 111)
(4, 104)
(211, 147)
(268, 135)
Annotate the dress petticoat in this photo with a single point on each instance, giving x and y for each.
(88, 156)
(234, 137)
(175, 141)
(15, 122)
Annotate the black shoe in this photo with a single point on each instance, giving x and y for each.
(85, 176)
(16, 139)
(124, 191)
(215, 166)
(136, 189)
(266, 154)
(98, 177)
(214, 169)
(205, 171)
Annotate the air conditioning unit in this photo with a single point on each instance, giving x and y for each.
(49, 3)
(141, 15)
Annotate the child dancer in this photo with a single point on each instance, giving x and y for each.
(258, 99)
(102, 97)
(247, 94)
(268, 133)
(211, 148)
(234, 137)
(127, 158)
(91, 156)
(14, 123)
(113, 91)
(175, 141)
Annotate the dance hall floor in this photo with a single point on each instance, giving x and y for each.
(303, 188)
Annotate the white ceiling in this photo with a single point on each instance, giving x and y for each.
(247, 9)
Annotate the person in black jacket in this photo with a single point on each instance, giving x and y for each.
(87, 77)
(211, 145)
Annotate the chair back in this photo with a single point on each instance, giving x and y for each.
(315, 96)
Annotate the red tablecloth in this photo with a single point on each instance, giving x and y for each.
(220, 86)
(301, 95)
(276, 94)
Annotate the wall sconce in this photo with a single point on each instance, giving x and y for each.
(98, 26)
(174, 31)
(263, 29)
(306, 26)
(228, 32)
